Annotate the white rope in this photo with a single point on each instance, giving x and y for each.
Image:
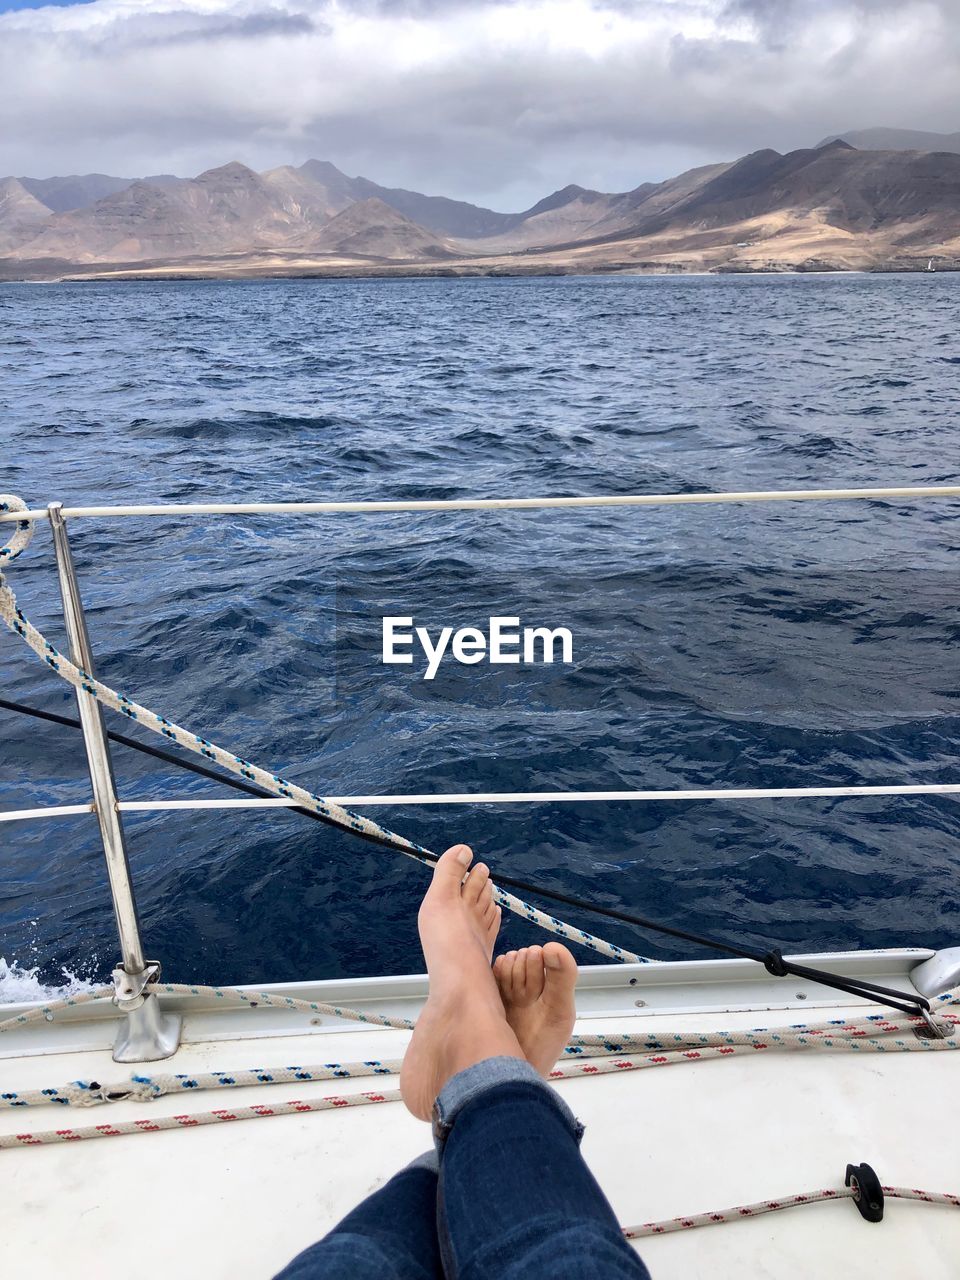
(195, 1119)
(603, 1058)
(224, 995)
(871, 1034)
(142, 1088)
(339, 1101)
(740, 1211)
(874, 1033)
(46, 1012)
(495, 504)
(572, 797)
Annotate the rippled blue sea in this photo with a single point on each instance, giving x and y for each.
(730, 646)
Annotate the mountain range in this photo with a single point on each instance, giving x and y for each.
(831, 207)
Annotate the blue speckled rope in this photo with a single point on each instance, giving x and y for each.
(90, 1093)
(874, 1033)
(271, 782)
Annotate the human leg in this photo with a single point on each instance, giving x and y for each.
(391, 1235)
(515, 1197)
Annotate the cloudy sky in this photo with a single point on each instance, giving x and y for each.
(495, 101)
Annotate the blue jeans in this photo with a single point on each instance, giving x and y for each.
(509, 1198)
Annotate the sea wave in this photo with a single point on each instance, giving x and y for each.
(796, 644)
(26, 986)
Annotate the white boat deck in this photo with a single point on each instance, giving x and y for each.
(240, 1199)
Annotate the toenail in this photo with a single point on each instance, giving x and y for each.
(463, 855)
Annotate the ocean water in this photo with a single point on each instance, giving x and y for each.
(779, 645)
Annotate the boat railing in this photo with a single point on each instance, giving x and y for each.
(147, 1034)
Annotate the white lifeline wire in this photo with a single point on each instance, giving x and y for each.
(49, 811)
(570, 797)
(511, 797)
(493, 504)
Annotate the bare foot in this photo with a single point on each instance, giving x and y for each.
(537, 989)
(463, 1020)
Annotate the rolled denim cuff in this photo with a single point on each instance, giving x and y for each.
(466, 1086)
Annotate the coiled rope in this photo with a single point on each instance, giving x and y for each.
(874, 1033)
(270, 782)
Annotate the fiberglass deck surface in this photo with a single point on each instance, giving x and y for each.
(239, 1200)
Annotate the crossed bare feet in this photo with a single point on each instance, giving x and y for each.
(521, 1008)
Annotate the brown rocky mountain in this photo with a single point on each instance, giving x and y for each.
(371, 229)
(849, 189)
(232, 208)
(829, 207)
(239, 207)
(575, 214)
(21, 214)
(223, 210)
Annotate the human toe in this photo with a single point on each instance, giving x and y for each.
(559, 976)
(449, 869)
(476, 883)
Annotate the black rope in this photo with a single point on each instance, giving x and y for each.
(158, 754)
(772, 960)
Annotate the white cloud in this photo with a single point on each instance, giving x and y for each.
(497, 102)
